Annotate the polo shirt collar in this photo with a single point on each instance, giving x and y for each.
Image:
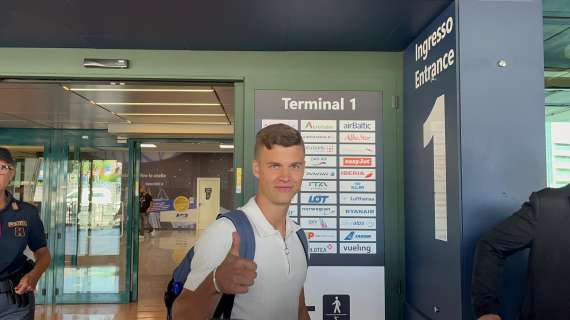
(260, 223)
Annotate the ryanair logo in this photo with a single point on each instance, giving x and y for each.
(19, 223)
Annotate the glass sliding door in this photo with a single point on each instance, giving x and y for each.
(30, 185)
(95, 255)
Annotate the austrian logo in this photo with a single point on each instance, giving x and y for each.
(318, 125)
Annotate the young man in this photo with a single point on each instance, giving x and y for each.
(20, 226)
(271, 286)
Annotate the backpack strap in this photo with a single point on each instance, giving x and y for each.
(246, 251)
(303, 238)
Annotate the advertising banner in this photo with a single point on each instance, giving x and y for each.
(340, 204)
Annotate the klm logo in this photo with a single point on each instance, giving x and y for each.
(318, 199)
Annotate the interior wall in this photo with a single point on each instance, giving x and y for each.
(370, 71)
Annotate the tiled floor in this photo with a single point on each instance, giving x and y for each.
(160, 254)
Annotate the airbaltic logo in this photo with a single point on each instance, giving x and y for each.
(358, 198)
(318, 198)
(322, 248)
(322, 137)
(320, 161)
(364, 174)
(289, 122)
(357, 137)
(358, 248)
(357, 162)
(357, 223)
(358, 149)
(318, 186)
(318, 125)
(358, 186)
(358, 235)
(362, 125)
(318, 223)
(318, 211)
(357, 211)
(326, 174)
(320, 148)
(321, 235)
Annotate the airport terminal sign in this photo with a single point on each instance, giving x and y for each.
(340, 203)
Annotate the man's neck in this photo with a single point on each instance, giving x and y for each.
(275, 214)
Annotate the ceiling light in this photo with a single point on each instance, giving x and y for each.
(226, 146)
(148, 145)
(173, 114)
(139, 89)
(205, 104)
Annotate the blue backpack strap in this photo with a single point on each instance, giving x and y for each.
(245, 231)
(303, 237)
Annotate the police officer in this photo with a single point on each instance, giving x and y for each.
(20, 226)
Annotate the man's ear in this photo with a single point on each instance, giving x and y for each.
(255, 167)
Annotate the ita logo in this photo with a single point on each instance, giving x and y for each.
(336, 307)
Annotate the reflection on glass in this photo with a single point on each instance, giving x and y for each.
(95, 244)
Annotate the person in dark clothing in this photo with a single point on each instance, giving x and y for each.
(20, 227)
(145, 203)
(543, 225)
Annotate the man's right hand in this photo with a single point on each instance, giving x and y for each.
(489, 317)
(235, 275)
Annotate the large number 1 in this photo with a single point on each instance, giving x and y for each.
(434, 130)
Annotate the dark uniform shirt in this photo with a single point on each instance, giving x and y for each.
(18, 229)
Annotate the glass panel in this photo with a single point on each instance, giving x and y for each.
(95, 240)
(28, 185)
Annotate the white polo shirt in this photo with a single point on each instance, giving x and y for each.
(281, 266)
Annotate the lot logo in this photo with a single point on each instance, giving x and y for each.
(336, 307)
(357, 162)
(349, 125)
(357, 137)
(317, 199)
(315, 125)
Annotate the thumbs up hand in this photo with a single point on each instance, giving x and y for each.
(235, 274)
